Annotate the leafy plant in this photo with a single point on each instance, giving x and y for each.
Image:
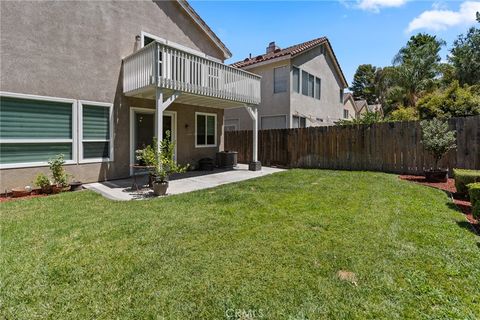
(365, 118)
(474, 193)
(403, 114)
(42, 181)
(163, 162)
(437, 138)
(59, 175)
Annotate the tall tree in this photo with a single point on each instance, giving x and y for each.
(465, 57)
(363, 85)
(417, 66)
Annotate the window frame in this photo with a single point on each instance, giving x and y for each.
(206, 114)
(318, 88)
(81, 159)
(73, 140)
(346, 114)
(273, 116)
(299, 86)
(285, 69)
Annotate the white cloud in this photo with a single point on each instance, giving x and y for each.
(437, 20)
(376, 5)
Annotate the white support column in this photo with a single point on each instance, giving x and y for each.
(255, 165)
(160, 106)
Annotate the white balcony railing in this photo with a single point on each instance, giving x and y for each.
(161, 65)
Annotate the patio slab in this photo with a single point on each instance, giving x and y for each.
(121, 189)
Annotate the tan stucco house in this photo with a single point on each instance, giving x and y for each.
(95, 80)
(302, 86)
(349, 107)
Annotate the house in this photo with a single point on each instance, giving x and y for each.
(376, 108)
(349, 107)
(361, 106)
(96, 80)
(302, 86)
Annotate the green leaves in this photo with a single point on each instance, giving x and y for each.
(437, 138)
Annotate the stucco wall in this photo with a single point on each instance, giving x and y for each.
(272, 103)
(349, 105)
(75, 50)
(329, 107)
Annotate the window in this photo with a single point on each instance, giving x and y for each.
(311, 84)
(299, 122)
(206, 129)
(345, 113)
(280, 79)
(341, 96)
(95, 131)
(273, 122)
(318, 86)
(296, 79)
(34, 129)
(231, 124)
(305, 83)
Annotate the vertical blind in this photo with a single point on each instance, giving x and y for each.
(206, 129)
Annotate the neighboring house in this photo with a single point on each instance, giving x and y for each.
(377, 108)
(361, 107)
(95, 80)
(302, 86)
(349, 107)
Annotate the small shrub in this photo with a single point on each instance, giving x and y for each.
(437, 138)
(58, 172)
(42, 181)
(403, 114)
(474, 192)
(463, 177)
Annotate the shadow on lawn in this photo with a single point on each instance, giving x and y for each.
(465, 224)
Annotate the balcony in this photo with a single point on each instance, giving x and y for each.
(195, 79)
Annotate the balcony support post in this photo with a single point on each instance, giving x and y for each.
(255, 165)
(160, 106)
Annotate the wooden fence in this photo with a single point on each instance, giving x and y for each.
(389, 147)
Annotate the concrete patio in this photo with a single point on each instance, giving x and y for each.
(121, 189)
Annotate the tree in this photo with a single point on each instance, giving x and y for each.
(403, 114)
(417, 66)
(437, 138)
(454, 101)
(465, 56)
(363, 85)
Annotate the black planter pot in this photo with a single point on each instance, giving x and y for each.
(438, 175)
(75, 186)
(160, 188)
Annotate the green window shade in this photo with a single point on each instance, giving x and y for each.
(210, 130)
(33, 152)
(201, 138)
(96, 123)
(93, 150)
(34, 119)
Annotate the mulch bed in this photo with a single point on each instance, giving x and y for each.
(4, 198)
(461, 201)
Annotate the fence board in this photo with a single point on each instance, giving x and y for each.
(390, 147)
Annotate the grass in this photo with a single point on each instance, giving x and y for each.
(268, 248)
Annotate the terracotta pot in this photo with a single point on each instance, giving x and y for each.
(160, 188)
(438, 175)
(19, 192)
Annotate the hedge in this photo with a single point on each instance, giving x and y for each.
(463, 177)
(474, 192)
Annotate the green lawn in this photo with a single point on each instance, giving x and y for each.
(268, 248)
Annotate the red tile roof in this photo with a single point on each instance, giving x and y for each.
(291, 51)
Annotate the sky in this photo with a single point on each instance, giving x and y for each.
(360, 31)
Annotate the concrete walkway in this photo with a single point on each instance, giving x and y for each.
(190, 181)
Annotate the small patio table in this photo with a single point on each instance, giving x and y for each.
(134, 168)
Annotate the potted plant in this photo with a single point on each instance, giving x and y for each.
(43, 183)
(59, 175)
(147, 157)
(438, 140)
(164, 165)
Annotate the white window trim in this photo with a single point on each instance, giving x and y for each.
(80, 127)
(206, 129)
(74, 131)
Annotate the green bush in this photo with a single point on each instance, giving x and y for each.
(42, 181)
(463, 177)
(474, 192)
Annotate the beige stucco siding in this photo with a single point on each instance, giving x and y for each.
(74, 50)
(272, 104)
(329, 107)
(351, 109)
